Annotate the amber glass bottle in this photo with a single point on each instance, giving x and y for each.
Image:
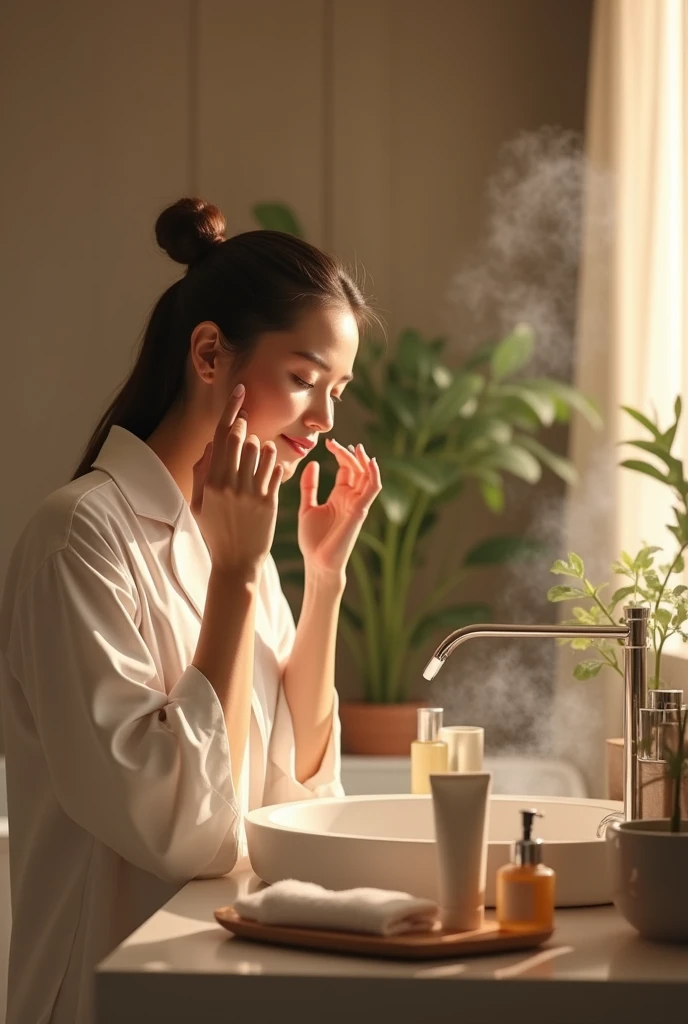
(525, 888)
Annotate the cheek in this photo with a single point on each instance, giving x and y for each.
(271, 406)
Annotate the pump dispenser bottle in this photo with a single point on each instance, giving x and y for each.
(429, 754)
(525, 888)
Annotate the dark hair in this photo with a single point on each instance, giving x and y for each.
(254, 282)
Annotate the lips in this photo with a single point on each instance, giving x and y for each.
(300, 447)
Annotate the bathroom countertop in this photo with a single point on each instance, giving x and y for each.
(181, 966)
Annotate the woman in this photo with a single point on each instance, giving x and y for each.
(154, 687)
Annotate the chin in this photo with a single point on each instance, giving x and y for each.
(288, 469)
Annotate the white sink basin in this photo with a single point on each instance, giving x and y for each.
(388, 842)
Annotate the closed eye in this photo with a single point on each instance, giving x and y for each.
(306, 384)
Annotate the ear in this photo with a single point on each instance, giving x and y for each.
(205, 350)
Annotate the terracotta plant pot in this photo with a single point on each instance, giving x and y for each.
(386, 729)
(647, 867)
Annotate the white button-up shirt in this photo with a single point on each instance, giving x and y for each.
(118, 770)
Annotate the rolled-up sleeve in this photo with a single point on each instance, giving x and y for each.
(144, 771)
(282, 785)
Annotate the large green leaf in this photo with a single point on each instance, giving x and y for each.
(587, 669)
(403, 405)
(643, 420)
(560, 465)
(517, 461)
(513, 410)
(395, 500)
(565, 593)
(449, 404)
(481, 430)
(431, 475)
(569, 396)
(513, 352)
(453, 617)
(493, 496)
(540, 402)
(644, 467)
(674, 465)
(481, 355)
(442, 376)
(277, 217)
(498, 550)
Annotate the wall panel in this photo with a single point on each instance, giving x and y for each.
(261, 108)
(94, 125)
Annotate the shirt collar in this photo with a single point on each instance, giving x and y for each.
(138, 472)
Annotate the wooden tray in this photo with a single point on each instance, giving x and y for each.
(435, 944)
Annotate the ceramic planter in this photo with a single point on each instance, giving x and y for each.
(373, 729)
(647, 866)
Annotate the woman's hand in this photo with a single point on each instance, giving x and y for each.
(327, 533)
(235, 493)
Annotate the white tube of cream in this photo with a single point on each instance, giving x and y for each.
(461, 811)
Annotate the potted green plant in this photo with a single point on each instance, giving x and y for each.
(647, 859)
(648, 577)
(434, 431)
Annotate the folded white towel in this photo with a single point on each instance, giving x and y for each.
(306, 905)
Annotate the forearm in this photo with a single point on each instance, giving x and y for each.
(309, 674)
(224, 654)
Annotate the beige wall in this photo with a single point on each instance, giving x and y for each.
(378, 120)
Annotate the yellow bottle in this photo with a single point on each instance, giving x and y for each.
(429, 754)
(525, 888)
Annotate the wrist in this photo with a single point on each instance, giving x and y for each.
(325, 580)
(234, 577)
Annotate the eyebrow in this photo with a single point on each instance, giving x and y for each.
(313, 357)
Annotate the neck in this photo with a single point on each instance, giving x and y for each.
(179, 441)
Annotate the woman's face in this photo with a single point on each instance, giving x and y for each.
(294, 380)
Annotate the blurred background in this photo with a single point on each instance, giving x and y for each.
(418, 139)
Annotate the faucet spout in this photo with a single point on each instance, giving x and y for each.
(633, 632)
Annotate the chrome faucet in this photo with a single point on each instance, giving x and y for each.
(634, 634)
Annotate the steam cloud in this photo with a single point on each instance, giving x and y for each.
(527, 270)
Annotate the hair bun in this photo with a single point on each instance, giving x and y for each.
(189, 229)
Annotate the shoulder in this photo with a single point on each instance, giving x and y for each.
(87, 513)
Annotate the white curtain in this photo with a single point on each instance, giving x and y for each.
(632, 338)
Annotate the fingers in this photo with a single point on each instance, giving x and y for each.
(359, 466)
(248, 462)
(226, 454)
(232, 407)
(309, 486)
(266, 465)
(275, 481)
(219, 472)
(342, 454)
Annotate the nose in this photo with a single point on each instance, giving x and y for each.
(320, 414)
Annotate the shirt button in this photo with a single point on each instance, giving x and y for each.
(162, 716)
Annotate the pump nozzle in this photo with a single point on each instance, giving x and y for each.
(528, 823)
(527, 850)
